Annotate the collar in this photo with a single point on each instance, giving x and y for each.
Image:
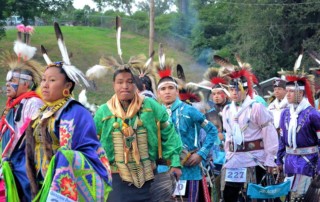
(176, 104)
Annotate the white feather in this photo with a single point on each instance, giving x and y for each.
(23, 50)
(64, 52)
(76, 75)
(118, 42)
(162, 60)
(82, 97)
(47, 59)
(97, 72)
(297, 63)
(148, 62)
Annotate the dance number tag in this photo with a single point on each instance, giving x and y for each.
(236, 175)
(180, 188)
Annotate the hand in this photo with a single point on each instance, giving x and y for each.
(193, 160)
(177, 172)
(221, 136)
(269, 169)
(280, 168)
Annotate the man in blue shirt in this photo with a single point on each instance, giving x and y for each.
(187, 121)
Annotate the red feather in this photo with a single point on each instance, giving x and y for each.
(217, 80)
(307, 86)
(250, 77)
(189, 96)
(164, 73)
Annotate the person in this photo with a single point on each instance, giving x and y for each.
(187, 121)
(135, 132)
(64, 156)
(23, 102)
(280, 102)
(300, 128)
(251, 139)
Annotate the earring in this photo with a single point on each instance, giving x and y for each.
(66, 92)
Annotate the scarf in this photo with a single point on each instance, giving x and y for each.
(116, 108)
(278, 106)
(236, 132)
(294, 114)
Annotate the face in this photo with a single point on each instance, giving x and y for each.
(53, 83)
(124, 86)
(16, 87)
(168, 93)
(236, 95)
(218, 96)
(279, 92)
(291, 96)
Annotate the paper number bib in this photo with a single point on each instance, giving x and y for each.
(236, 175)
(180, 188)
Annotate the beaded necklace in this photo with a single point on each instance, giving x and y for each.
(50, 108)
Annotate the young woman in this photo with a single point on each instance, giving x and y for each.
(65, 161)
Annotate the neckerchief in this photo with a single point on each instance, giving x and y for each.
(294, 113)
(116, 108)
(278, 106)
(237, 134)
(11, 103)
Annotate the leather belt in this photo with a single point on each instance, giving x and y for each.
(248, 146)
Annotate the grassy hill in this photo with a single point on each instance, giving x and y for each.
(87, 45)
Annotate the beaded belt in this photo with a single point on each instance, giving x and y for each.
(302, 150)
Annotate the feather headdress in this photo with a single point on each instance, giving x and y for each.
(188, 93)
(22, 59)
(22, 46)
(110, 63)
(73, 73)
(142, 67)
(164, 66)
(12, 62)
(217, 81)
(300, 77)
(238, 73)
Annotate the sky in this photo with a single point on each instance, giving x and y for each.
(79, 4)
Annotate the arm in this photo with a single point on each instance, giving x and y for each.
(209, 128)
(170, 141)
(77, 132)
(264, 120)
(282, 145)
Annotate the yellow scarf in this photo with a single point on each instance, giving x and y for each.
(116, 108)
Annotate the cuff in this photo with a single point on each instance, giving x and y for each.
(270, 161)
(175, 161)
(203, 153)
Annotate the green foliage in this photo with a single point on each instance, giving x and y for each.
(268, 35)
(31, 8)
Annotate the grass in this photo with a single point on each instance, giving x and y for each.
(87, 45)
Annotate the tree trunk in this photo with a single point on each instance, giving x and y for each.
(151, 28)
(183, 6)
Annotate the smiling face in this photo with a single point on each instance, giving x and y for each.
(124, 86)
(53, 83)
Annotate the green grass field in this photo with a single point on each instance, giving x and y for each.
(87, 45)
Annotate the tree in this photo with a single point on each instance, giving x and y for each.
(28, 9)
(151, 27)
(160, 7)
(122, 5)
(266, 34)
(3, 6)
